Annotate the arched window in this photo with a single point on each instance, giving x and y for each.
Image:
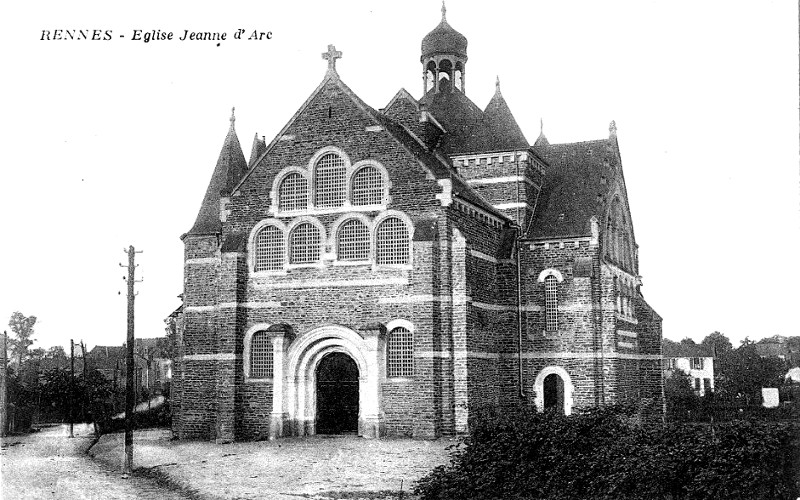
(330, 183)
(367, 186)
(392, 240)
(551, 303)
(293, 192)
(269, 253)
(304, 244)
(400, 353)
(353, 241)
(260, 356)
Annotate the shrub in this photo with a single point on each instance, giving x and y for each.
(605, 454)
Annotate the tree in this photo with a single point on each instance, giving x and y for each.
(56, 352)
(22, 327)
(743, 373)
(718, 344)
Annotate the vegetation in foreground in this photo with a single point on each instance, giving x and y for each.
(604, 453)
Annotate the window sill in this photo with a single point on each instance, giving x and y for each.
(329, 210)
(249, 380)
(399, 380)
(351, 263)
(317, 265)
(627, 319)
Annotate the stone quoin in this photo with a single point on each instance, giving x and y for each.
(391, 272)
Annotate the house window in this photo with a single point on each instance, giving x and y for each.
(353, 241)
(367, 186)
(400, 353)
(551, 303)
(697, 363)
(269, 249)
(697, 384)
(330, 184)
(293, 193)
(304, 244)
(392, 242)
(260, 356)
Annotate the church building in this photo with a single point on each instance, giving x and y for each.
(389, 272)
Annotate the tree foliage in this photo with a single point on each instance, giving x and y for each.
(22, 328)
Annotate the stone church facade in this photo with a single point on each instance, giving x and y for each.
(391, 271)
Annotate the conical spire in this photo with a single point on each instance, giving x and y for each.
(259, 146)
(230, 167)
(505, 131)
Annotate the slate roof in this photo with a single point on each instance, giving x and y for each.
(471, 130)
(504, 131)
(679, 350)
(573, 189)
(231, 165)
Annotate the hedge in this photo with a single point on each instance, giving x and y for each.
(606, 453)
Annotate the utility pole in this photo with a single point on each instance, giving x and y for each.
(3, 374)
(87, 389)
(130, 373)
(71, 410)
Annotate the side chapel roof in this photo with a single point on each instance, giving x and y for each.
(575, 186)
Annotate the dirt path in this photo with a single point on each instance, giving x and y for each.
(50, 465)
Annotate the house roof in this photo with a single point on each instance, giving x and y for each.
(680, 350)
(231, 165)
(575, 187)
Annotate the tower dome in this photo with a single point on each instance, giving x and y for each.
(444, 40)
(444, 58)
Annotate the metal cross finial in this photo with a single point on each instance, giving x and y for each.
(444, 11)
(541, 125)
(497, 84)
(233, 115)
(332, 55)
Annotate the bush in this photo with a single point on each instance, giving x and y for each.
(604, 454)
(159, 416)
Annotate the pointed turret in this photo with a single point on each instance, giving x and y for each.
(541, 141)
(259, 146)
(506, 134)
(231, 165)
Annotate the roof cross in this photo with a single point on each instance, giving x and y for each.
(332, 55)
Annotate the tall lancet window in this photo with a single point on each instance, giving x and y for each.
(551, 303)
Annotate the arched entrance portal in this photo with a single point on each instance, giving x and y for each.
(337, 394)
(553, 387)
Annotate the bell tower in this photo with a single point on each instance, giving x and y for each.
(444, 58)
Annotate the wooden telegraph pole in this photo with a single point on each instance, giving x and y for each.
(71, 399)
(130, 374)
(3, 374)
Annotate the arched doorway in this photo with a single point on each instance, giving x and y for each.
(553, 390)
(337, 394)
(553, 387)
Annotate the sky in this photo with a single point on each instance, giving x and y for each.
(111, 143)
